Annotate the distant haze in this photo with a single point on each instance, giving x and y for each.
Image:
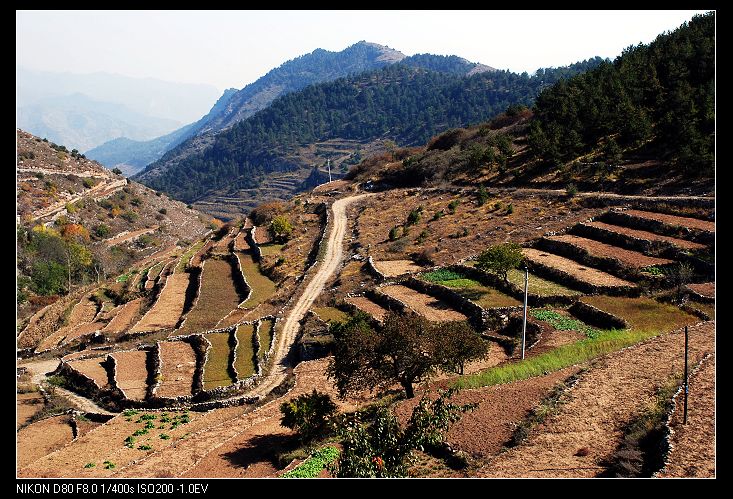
(233, 48)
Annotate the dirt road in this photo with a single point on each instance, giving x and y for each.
(331, 261)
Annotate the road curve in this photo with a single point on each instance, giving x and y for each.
(289, 332)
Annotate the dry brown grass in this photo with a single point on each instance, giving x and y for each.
(590, 275)
(366, 305)
(429, 307)
(646, 236)
(217, 297)
(168, 308)
(394, 268)
(92, 368)
(632, 259)
(691, 223)
(132, 373)
(177, 367)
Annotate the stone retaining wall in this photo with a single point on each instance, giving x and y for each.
(468, 308)
(566, 279)
(618, 217)
(597, 317)
(251, 239)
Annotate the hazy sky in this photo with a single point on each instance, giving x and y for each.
(233, 48)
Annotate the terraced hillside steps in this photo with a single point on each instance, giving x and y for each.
(82, 313)
(428, 306)
(582, 277)
(631, 238)
(168, 308)
(177, 368)
(216, 368)
(132, 373)
(661, 221)
(570, 245)
(244, 359)
(368, 306)
(123, 319)
(93, 369)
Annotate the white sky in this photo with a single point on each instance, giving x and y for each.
(233, 48)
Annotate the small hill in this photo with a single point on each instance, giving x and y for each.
(78, 221)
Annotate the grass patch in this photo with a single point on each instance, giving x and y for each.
(266, 332)
(244, 362)
(109, 465)
(218, 296)
(483, 296)
(90, 465)
(562, 322)
(312, 467)
(183, 261)
(271, 249)
(262, 287)
(559, 358)
(643, 313)
(441, 275)
(539, 286)
(216, 369)
(331, 314)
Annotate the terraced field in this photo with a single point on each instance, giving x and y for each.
(27, 405)
(92, 368)
(672, 220)
(428, 306)
(632, 259)
(131, 373)
(368, 306)
(271, 249)
(395, 268)
(42, 438)
(83, 312)
(218, 296)
(244, 360)
(330, 314)
(177, 367)
(265, 332)
(705, 289)
(602, 228)
(642, 313)
(577, 271)
(481, 295)
(168, 308)
(216, 369)
(536, 285)
(124, 318)
(186, 257)
(262, 287)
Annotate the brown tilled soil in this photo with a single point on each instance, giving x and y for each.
(177, 367)
(106, 443)
(42, 437)
(595, 412)
(706, 289)
(394, 268)
(27, 404)
(169, 306)
(366, 305)
(222, 245)
(483, 432)
(629, 258)
(92, 368)
(84, 330)
(84, 427)
(217, 297)
(690, 223)
(240, 242)
(83, 312)
(587, 274)
(262, 236)
(124, 318)
(645, 235)
(132, 373)
(252, 443)
(693, 444)
(429, 307)
(197, 258)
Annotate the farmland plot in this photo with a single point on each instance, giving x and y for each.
(216, 369)
(368, 306)
(642, 235)
(83, 312)
(705, 289)
(262, 287)
(266, 332)
(123, 319)
(168, 308)
(575, 270)
(538, 286)
(27, 405)
(395, 268)
(428, 306)
(217, 297)
(244, 360)
(483, 296)
(673, 220)
(132, 373)
(92, 368)
(632, 259)
(42, 437)
(642, 313)
(177, 368)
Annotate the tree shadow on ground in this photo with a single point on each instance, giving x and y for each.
(262, 448)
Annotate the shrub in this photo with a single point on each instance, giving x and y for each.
(163, 211)
(308, 414)
(130, 216)
(414, 216)
(281, 228)
(510, 209)
(116, 171)
(422, 237)
(482, 195)
(571, 190)
(438, 215)
(452, 206)
(394, 233)
(88, 183)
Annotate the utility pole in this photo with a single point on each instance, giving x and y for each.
(524, 322)
(329, 170)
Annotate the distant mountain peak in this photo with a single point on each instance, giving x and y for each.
(388, 54)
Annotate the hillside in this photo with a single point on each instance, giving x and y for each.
(318, 66)
(397, 103)
(71, 209)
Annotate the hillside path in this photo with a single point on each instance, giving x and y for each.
(289, 332)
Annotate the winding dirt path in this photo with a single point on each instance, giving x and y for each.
(331, 262)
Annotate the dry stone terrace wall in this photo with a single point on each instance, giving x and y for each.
(679, 227)
(597, 317)
(468, 308)
(552, 268)
(638, 240)
(251, 239)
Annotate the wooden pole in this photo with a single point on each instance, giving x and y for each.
(524, 322)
